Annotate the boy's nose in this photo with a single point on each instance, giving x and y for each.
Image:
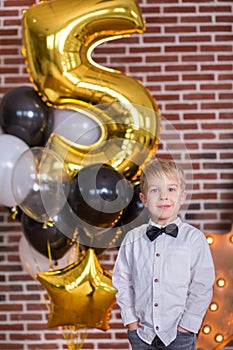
(163, 196)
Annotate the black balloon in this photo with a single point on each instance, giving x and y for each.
(135, 214)
(39, 237)
(88, 236)
(24, 115)
(98, 195)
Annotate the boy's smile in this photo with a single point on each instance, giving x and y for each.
(163, 198)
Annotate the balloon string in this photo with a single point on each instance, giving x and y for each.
(50, 256)
(71, 335)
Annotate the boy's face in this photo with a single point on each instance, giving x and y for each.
(163, 198)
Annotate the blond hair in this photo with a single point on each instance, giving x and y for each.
(158, 167)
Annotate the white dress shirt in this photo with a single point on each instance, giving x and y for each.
(164, 283)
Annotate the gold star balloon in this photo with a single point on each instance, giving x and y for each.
(217, 328)
(81, 294)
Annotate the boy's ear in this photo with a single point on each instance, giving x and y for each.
(142, 198)
(183, 197)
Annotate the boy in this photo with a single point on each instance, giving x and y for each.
(164, 279)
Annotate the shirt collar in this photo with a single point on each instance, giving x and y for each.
(177, 221)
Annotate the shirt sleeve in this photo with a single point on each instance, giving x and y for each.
(201, 286)
(122, 281)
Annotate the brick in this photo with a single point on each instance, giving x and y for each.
(218, 227)
(11, 346)
(165, 19)
(216, 67)
(164, 2)
(224, 18)
(25, 317)
(194, 38)
(12, 22)
(161, 78)
(140, 50)
(10, 307)
(225, 57)
(179, 9)
(10, 42)
(199, 96)
(21, 297)
(217, 206)
(216, 48)
(215, 28)
(181, 48)
(16, 3)
(196, 19)
(183, 87)
(159, 39)
(161, 58)
(226, 156)
(25, 336)
(217, 105)
(217, 146)
(182, 107)
(149, 9)
(8, 13)
(218, 126)
(180, 29)
(204, 196)
(8, 32)
(199, 58)
(224, 37)
(198, 77)
(11, 288)
(11, 327)
(180, 68)
(216, 8)
(226, 115)
(202, 155)
(200, 216)
(217, 86)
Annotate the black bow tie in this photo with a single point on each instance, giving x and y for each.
(153, 232)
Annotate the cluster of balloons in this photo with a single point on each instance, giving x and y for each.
(95, 205)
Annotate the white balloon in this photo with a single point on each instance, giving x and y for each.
(76, 126)
(40, 183)
(11, 148)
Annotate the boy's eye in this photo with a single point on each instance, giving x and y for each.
(171, 189)
(155, 190)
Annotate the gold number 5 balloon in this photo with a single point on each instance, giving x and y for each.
(58, 39)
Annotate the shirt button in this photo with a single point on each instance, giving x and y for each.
(157, 328)
(157, 254)
(156, 280)
(156, 304)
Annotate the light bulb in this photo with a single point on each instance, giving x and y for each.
(213, 306)
(210, 239)
(218, 337)
(221, 282)
(206, 329)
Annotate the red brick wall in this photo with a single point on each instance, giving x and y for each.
(185, 59)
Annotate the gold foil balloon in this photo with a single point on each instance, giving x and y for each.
(58, 40)
(81, 294)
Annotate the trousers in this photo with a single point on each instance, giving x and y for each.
(183, 341)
